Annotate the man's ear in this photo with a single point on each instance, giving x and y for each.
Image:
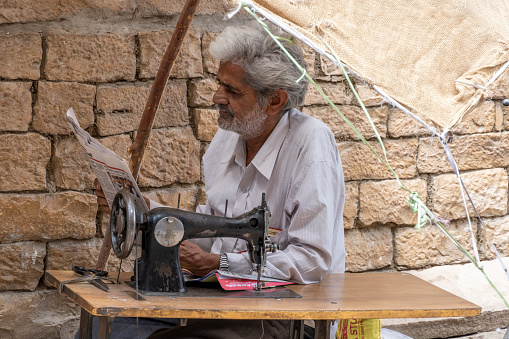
(277, 102)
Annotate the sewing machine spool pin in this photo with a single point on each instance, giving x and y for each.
(164, 229)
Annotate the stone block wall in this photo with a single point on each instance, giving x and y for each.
(101, 59)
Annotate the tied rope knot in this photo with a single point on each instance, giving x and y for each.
(416, 205)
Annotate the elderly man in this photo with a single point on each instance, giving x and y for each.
(265, 145)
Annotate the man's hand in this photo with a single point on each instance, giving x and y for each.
(199, 262)
(101, 199)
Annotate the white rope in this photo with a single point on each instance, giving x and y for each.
(234, 11)
(285, 27)
(321, 51)
(401, 107)
(456, 171)
(497, 74)
(464, 189)
(493, 78)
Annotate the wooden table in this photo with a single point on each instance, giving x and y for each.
(338, 296)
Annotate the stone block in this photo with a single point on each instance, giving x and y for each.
(210, 64)
(53, 101)
(201, 92)
(20, 55)
(22, 265)
(385, 202)
(402, 125)
(39, 314)
(337, 92)
(202, 196)
(64, 254)
(430, 246)
(90, 57)
(470, 152)
(328, 68)
(172, 156)
(499, 117)
(309, 55)
(360, 163)
(497, 232)
(504, 110)
(172, 7)
(46, 10)
(24, 158)
(15, 105)
(368, 248)
(487, 188)
(356, 116)
(203, 149)
(44, 217)
(71, 166)
(123, 107)
(480, 120)
(369, 96)
(118, 144)
(501, 87)
(351, 204)
(170, 197)
(153, 45)
(206, 123)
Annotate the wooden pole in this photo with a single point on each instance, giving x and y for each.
(137, 149)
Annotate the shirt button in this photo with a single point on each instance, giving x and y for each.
(244, 190)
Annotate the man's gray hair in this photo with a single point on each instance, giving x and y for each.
(267, 68)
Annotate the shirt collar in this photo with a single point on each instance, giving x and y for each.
(266, 157)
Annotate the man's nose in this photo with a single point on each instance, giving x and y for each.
(219, 97)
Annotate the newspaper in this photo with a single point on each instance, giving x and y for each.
(111, 170)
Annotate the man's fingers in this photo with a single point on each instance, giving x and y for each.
(103, 205)
(100, 194)
(101, 198)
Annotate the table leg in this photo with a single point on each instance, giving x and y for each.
(105, 327)
(297, 329)
(85, 325)
(322, 329)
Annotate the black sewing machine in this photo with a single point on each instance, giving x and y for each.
(163, 230)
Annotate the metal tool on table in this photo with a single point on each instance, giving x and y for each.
(164, 229)
(95, 277)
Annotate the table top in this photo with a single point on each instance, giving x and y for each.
(338, 296)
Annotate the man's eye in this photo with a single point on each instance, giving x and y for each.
(228, 88)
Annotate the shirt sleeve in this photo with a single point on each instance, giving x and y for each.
(315, 228)
(155, 204)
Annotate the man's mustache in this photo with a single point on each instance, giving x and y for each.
(225, 109)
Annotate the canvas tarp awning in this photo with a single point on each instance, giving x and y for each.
(424, 54)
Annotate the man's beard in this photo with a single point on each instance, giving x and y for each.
(249, 126)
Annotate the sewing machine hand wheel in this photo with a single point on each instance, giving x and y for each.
(123, 224)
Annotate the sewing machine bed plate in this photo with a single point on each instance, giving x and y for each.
(214, 290)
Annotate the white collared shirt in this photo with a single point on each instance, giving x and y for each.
(299, 170)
